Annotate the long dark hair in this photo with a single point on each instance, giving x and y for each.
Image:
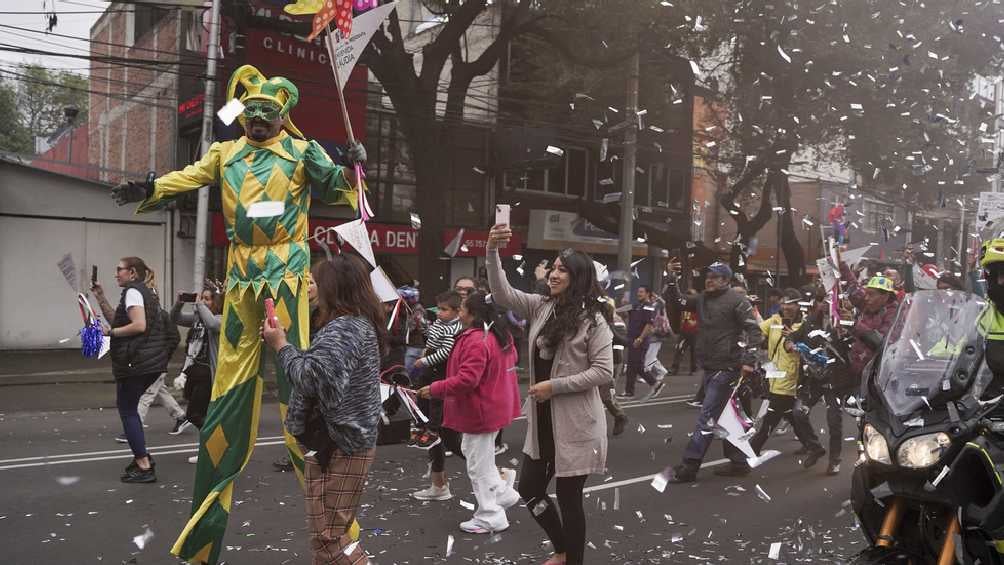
(582, 300)
(487, 314)
(344, 289)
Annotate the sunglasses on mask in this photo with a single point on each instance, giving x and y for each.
(262, 110)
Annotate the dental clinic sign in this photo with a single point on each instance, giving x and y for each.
(387, 239)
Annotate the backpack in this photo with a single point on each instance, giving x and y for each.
(660, 323)
(688, 325)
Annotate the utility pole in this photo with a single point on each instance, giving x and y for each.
(998, 146)
(208, 104)
(626, 243)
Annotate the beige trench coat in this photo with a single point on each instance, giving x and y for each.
(581, 363)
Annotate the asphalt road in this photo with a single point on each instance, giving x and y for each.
(62, 503)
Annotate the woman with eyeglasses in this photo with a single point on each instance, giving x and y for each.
(139, 356)
(570, 354)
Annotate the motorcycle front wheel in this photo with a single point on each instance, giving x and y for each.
(885, 556)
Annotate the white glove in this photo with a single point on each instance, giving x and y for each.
(179, 381)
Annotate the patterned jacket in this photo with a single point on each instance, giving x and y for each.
(271, 249)
(340, 374)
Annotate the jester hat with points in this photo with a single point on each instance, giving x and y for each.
(258, 87)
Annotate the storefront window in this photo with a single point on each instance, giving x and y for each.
(402, 202)
(567, 175)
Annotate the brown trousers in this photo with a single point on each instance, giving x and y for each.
(332, 499)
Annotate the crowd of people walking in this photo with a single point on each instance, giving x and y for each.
(461, 361)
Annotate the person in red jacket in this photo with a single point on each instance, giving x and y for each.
(480, 397)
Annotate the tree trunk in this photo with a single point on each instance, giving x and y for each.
(432, 165)
(794, 255)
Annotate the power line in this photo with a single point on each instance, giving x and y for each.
(499, 118)
(481, 82)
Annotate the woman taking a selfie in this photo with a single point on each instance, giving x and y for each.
(570, 355)
(139, 355)
(334, 406)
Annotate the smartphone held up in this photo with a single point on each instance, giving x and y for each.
(502, 212)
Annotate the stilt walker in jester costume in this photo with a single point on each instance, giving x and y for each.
(267, 179)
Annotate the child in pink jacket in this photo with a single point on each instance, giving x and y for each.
(480, 397)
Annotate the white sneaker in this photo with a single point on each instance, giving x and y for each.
(433, 493)
(193, 459)
(473, 526)
(656, 389)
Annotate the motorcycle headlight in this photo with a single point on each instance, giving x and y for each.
(876, 447)
(923, 451)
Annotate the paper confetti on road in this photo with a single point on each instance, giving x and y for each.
(142, 539)
(775, 549)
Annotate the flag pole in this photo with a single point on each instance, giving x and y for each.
(330, 40)
(364, 208)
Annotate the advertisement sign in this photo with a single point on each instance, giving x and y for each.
(553, 229)
(388, 239)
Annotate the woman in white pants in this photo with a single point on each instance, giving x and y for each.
(480, 397)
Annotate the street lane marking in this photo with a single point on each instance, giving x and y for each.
(62, 461)
(113, 451)
(643, 403)
(41, 461)
(645, 478)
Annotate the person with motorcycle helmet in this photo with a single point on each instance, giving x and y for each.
(992, 322)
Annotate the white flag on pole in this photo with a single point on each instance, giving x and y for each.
(382, 286)
(354, 233)
(853, 256)
(348, 51)
(736, 427)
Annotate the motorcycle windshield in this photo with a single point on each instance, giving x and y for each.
(922, 349)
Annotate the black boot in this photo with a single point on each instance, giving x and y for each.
(619, 423)
(133, 466)
(733, 470)
(814, 456)
(685, 473)
(138, 475)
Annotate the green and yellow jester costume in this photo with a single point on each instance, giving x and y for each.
(268, 257)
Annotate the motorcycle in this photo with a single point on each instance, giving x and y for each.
(928, 487)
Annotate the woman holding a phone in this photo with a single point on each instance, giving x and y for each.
(570, 354)
(334, 405)
(139, 355)
(196, 378)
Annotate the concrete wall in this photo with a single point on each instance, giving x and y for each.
(44, 216)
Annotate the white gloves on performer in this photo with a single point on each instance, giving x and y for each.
(179, 381)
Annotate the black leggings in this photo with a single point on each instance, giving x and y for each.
(449, 440)
(198, 390)
(567, 532)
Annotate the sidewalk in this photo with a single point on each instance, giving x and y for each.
(53, 366)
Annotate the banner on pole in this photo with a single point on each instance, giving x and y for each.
(348, 50)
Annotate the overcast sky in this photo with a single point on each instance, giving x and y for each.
(77, 25)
